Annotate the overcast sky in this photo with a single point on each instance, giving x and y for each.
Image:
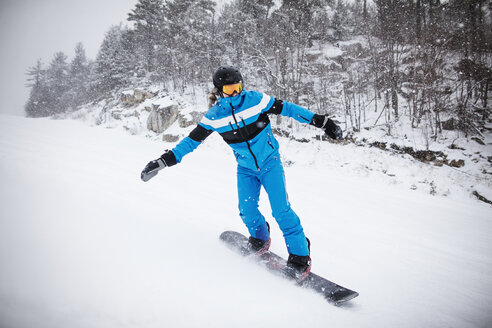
(32, 29)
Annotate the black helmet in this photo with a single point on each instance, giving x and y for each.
(226, 75)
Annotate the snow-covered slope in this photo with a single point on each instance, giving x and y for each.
(85, 243)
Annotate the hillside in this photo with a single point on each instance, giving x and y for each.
(454, 165)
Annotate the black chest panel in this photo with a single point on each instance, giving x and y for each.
(245, 132)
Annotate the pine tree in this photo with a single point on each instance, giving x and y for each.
(148, 18)
(131, 54)
(111, 65)
(78, 77)
(37, 103)
(58, 84)
(191, 46)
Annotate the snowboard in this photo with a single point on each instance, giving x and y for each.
(331, 291)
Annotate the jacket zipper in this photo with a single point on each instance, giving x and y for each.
(244, 138)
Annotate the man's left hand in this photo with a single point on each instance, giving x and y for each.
(331, 128)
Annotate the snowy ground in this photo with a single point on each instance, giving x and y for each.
(85, 243)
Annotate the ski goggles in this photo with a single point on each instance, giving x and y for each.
(229, 89)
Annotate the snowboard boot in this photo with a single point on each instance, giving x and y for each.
(299, 267)
(258, 245)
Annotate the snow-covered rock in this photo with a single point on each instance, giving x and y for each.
(162, 118)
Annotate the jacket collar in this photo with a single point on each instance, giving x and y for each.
(235, 101)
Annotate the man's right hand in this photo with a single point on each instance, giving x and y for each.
(152, 168)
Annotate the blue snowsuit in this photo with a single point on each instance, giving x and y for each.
(243, 123)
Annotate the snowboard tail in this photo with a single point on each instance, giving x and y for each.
(331, 291)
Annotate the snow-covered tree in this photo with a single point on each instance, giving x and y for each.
(112, 65)
(407, 53)
(191, 42)
(79, 77)
(148, 18)
(37, 104)
(58, 82)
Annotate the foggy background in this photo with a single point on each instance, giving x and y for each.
(33, 29)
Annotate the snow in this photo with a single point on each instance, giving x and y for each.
(85, 243)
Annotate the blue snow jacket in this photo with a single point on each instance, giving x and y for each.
(243, 123)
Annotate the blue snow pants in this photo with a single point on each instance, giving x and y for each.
(272, 178)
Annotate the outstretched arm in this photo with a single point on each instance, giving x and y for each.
(174, 156)
(289, 109)
(304, 115)
(191, 142)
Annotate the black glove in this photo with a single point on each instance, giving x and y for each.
(331, 129)
(151, 169)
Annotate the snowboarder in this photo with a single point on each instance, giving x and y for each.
(241, 118)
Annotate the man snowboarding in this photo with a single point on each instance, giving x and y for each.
(241, 118)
